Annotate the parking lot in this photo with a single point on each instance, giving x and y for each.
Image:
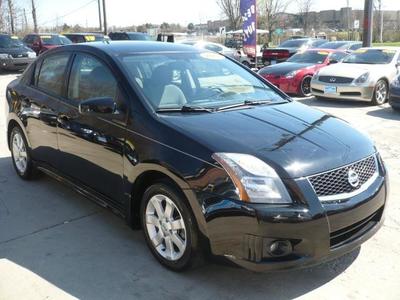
(56, 244)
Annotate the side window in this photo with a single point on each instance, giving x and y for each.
(90, 78)
(52, 72)
(28, 39)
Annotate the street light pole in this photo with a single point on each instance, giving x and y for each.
(368, 17)
(104, 17)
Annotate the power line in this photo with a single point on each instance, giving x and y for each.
(69, 13)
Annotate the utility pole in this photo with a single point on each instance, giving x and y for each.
(104, 17)
(100, 25)
(11, 12)
(367, 29)
(35, 28)
(348, 19)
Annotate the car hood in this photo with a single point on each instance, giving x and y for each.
(352, 70)
(16, 50)
(293, 138)
(284, 68)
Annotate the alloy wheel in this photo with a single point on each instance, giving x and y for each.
(165, 227)
(19, 153)
(306, 86)
(381, 92)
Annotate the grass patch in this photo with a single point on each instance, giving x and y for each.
(394, 44)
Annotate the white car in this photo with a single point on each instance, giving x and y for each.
(363, 75)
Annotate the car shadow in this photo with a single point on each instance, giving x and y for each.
(90, 253)
(385, 113)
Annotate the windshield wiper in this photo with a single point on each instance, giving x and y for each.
(248, 103)
(186, 109)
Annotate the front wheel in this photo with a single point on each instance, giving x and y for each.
(169, 228)
(380, 93)
(305, 87)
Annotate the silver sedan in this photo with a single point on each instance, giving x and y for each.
(363, 75)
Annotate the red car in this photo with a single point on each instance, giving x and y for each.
(294, 76)
(45, 41)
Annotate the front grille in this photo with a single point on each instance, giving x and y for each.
(349, 233)
(336, 182)
(335, 79)
(19, 55)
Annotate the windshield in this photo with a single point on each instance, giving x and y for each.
(138, 37)
(293, 43)
(7, 41)
(333, 45)
(370, 56)
(206, 80)
(310, 57)
(55, 40)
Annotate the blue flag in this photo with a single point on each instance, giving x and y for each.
(248, 11)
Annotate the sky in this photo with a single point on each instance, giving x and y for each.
(136, 12)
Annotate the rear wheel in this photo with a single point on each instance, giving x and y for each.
(380, 93)
(305, 86)
(20, 154)
(169, 228)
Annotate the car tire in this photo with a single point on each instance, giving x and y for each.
(381, 93)
(305, 86)
(169, 228)
(21, 156)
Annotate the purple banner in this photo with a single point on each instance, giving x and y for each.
(248, 11)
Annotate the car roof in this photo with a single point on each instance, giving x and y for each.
(116, 47)
(83, 33)
(326, 50)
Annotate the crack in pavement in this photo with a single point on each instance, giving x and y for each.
(50, 227)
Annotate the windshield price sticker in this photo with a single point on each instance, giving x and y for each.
(14, 37)
(45, 37)
(323, 53)
(90, 38)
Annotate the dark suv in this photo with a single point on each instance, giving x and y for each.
(45, 41)
(198, 151)
(126, 36)
(14, 55)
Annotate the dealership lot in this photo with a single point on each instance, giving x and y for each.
(56, 244)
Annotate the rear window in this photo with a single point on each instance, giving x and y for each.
(293, 43)
(54, 40)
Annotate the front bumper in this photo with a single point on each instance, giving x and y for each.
(394, 99)
(344, 91)
(317, 231)
(16, 63)
(288, 85)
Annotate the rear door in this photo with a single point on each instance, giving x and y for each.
(92, 146)
(40, 101)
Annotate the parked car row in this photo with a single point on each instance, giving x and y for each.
(366, 74)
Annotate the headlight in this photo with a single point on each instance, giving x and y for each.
(291, 74)
(315, 76)
(363, 78)
(31, 54)
(4, 56)
(255, 180)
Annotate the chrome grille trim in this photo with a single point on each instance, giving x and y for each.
(368, 177)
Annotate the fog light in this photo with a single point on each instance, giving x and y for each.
(280, 248)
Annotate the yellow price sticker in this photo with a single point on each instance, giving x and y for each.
(14, 37)
(90, 38)
(45, 37)
(360, 51)
(323, 52)
(388, 51)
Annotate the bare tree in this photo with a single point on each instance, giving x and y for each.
(305, 7)
(270, 11)
(35, 27)
(12, 15)
(231, 9)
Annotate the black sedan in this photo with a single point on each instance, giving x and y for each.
(199, 152)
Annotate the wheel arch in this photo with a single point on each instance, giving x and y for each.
(11, 124)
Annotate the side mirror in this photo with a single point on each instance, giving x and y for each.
(94, 106)
(36, 44)
(397, 65)
(333, 61)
